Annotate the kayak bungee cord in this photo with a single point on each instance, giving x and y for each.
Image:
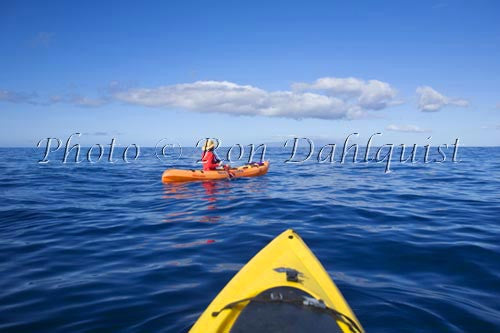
(314, 303)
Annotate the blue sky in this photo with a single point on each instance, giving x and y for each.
(250, 72)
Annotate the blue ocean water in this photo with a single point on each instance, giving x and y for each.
(109, 248)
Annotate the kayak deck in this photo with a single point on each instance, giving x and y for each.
(267, 293)
(264, 315)
(249, 170)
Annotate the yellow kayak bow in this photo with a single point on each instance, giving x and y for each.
(283, 288)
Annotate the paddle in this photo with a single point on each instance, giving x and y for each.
(227, 168)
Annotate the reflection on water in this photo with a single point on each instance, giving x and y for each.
(176, 191)
(206, 193)
(194, 243)
(192, 198)
(210, 190)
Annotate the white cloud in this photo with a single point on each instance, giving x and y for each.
(370, 95)
(18, 97)
(430, 100)
(326, 98)
(34, 99)
(495, 127)
(231, 98)
(406, 128)
(86, 101)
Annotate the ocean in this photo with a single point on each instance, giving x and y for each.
(106, 247)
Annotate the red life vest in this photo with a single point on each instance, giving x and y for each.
(209, 160)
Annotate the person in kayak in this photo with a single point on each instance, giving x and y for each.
(208, 157)
(210, 160)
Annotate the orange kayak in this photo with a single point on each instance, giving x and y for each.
(249, 170)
